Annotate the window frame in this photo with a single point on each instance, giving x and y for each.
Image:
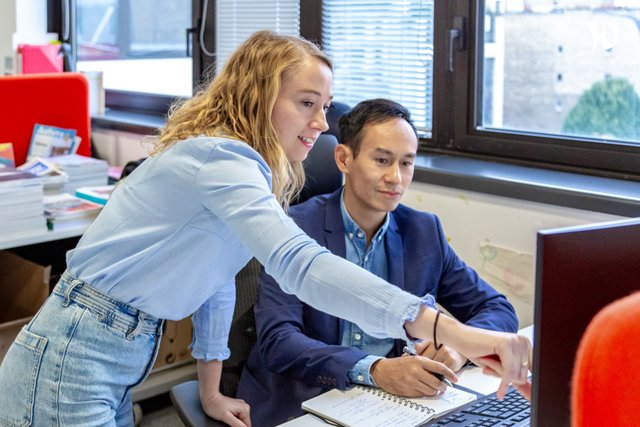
(136, 102)
(454, 100)
(456, 103)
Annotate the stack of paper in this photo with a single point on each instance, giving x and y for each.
(21, 209)
(65, 211)
(99, 194)
(83, 171)
(53, 178)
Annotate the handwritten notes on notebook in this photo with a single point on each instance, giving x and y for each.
(370, 407)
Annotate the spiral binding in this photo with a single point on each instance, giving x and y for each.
(398, 399)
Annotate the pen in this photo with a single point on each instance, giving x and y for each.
(410, 352)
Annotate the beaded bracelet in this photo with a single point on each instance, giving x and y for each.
(435, 326)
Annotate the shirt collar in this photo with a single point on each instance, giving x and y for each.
(351, 227)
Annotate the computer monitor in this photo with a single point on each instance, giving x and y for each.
(579, 270)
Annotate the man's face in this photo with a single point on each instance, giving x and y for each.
(383, 169)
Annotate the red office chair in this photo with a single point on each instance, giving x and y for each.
(606, 378)
(54, 99)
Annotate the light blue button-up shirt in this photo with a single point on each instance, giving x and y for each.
(373, 259)
(177, 230)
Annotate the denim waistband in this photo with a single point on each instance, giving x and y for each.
(112, 312)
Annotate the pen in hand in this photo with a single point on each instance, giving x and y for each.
(410, 352)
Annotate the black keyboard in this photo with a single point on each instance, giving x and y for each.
(513, 411)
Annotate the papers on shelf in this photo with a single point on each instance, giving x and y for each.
(54, 178)
(66, 211)
(21, 207)
(99, 194)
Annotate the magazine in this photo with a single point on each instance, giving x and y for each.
(98, 194)
(6, 155)
(47, 141)
(66, 205)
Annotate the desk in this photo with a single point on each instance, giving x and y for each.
(41, 237)
(160, 380)
(471, 378)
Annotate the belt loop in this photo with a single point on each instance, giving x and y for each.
(131, 335)
(67, 292)
(160, 328)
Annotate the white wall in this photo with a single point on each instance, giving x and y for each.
(497, 235)
(118, 148)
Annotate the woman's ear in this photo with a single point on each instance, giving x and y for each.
(342, 155)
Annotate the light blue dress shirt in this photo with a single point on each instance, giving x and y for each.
(177, 230)
(373, 259)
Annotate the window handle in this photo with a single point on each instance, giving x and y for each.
(455, 39)
(189, 33)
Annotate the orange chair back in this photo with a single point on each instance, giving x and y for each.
(606, 375)
(54, 99)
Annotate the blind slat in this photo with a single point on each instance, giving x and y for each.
(382, 48)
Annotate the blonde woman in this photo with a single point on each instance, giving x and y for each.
(177, 230)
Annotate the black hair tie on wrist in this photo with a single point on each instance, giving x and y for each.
(435, 326)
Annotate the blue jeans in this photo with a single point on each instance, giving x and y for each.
(75, 363)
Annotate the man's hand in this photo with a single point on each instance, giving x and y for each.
(234, 412)
(410, 376)
(451, 358)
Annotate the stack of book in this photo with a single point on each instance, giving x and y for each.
(82, 171)
(53, 178)
(21, 209)
(99, 194)
(64, 211)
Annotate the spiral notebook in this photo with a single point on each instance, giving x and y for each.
(362, 406)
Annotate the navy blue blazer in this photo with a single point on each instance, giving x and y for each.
(298, 353)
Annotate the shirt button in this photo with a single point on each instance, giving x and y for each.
(360, 378)
(351, 235)
(366, 258)
(357, 337)
(360, 234)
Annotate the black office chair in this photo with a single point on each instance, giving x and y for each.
(322, 176)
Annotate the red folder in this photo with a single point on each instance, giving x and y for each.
(41, 58)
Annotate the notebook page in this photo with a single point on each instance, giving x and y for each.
(359, 407)
(445, 402)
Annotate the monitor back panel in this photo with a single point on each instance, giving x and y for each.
(579, 270)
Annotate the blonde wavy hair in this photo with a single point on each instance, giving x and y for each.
(239, 102)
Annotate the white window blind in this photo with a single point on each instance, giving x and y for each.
(236, 20)
(382, 49)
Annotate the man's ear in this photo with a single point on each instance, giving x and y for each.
(342, 154)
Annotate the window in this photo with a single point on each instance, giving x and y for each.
(236, 20)
(579, 77)
(550, 83)
(382, 49)
(138, 55)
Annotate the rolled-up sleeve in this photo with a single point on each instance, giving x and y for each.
(211, 324)
(234, 184)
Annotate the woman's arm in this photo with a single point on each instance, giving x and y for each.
(234, 412)
(503, 354)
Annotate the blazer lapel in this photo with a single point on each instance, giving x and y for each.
(334, 238)
(395, 253)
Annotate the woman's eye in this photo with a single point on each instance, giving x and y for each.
(326, 108)
(307, 103)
